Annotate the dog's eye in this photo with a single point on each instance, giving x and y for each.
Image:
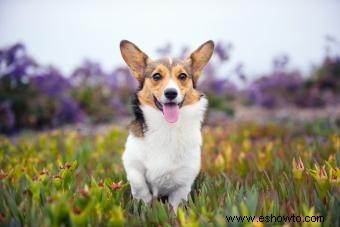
(156, 77)
(182, 76)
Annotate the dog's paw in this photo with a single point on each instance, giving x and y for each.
(177, 197)
(147, 198)
(143, 195)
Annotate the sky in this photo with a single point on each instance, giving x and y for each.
(64, 33)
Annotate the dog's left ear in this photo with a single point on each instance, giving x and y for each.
(200, 58)
(134, 58)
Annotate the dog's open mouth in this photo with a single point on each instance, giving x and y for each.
(170, 110)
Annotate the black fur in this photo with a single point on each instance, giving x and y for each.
(193, 84)
(137, 111)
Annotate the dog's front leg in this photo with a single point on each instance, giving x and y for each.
(179, 195)
(139, 187)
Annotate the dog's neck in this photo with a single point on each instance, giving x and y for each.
(149, 120)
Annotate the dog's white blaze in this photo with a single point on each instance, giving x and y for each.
(170, 61)
(172, 84)
(168, 158)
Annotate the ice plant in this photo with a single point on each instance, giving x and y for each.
(228, 152)
(334, 176)
(219, 163)
(336, 141)
(320, 176)
(2, 174)
(310, 212)
(191, 221)
(66, 177)
(115, 186)
(298, 168)
(257, 222)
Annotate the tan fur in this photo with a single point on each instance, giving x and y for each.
(154, 88)
(200, 58)
(134, 58)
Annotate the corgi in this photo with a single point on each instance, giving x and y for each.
(162, 154)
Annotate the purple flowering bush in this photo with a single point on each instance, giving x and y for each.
(282, 87)
(324, 85)
(279, 88)
(36, 96)
(32, 96)
(102, 96)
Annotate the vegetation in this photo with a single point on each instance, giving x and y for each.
(63, 177)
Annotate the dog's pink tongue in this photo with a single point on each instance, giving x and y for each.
(171, 112)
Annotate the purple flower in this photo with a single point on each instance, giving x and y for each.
(280, 62)
(121, 78)
(13, 53)
(15, 65)
(240, 73)
(119, 107)
(222, 51)
(51, 83)
(274, 89)
(89, 73)
(68, 111)
(219, 86)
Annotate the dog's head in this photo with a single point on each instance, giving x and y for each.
(167, 84)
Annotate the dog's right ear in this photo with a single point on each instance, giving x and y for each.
(134, 58)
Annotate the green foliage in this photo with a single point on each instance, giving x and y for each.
(67, 178)
(219, 103)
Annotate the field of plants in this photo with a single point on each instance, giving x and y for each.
(63, 177)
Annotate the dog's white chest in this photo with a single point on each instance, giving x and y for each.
(168, 156)
(168, 159)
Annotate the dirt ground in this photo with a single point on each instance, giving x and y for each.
(242, 114)
(278, 115)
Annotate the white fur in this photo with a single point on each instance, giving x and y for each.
(170, 60)
(172, 84)
(168, 158)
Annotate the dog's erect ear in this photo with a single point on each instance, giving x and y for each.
(200, 58)
(134, 58)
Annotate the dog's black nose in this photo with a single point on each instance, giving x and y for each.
(170, 93)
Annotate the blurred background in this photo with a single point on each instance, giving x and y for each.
(60, 62)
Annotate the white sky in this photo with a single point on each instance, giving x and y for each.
(64, 32)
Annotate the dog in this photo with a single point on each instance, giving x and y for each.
(162, 154)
